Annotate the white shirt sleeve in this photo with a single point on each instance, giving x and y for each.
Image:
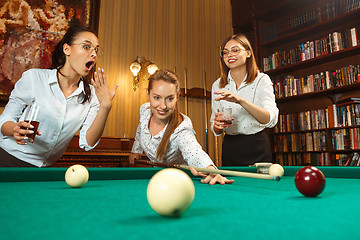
(144, 112)
(19, 99)
(136, 148)
(94, 108)
(265, 98)
(191, 150)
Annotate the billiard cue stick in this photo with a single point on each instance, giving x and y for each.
(216, 151)
(185, 90)
(210, 170)
(206, 124)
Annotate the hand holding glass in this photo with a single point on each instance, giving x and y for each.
(227, 114)
(31, 116)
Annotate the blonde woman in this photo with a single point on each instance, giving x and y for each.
(166, 135)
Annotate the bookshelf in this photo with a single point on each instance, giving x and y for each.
(311, 51)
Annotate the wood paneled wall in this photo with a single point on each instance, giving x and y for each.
(174, 34)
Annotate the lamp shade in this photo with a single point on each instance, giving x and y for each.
(152, 68)
(135, 68)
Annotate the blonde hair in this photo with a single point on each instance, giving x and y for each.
(176, 118)
(251, 66)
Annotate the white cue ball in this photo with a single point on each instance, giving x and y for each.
(170, 192)
(276, 170)
(76, 176)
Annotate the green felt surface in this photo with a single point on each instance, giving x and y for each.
(118, 209)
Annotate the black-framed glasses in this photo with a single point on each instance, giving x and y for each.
(88, 47)
(234, 52)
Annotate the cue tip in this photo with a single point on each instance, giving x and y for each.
(277, 178)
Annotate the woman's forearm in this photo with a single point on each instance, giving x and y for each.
(260, 114)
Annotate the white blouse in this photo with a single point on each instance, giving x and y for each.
(182, 148)
(60, 117)
(260, 92)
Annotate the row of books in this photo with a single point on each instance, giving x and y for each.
(291, 86)
(333, 42)
(343, 139)
(318, 159)
(298, 142)
(309, 17)
(309, 120)
(350, 160)
(301, 159)
(347, 159)
(345, 113)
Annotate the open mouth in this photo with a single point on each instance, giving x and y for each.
(161, 112)
(89, 65)
(231, 60)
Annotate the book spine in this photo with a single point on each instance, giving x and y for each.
(354, 39)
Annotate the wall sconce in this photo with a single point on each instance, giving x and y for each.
(138, 68)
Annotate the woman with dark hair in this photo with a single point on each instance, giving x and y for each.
(67, 103)
(165, 134)
(250, 95)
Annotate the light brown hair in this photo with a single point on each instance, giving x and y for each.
(251, 66)
(176, 118)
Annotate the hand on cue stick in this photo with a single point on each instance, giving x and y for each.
(215, 171)
(211, 178)
(233, 173)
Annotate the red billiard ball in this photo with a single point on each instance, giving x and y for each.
(310, 181)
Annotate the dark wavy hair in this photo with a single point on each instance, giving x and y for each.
(59, 58)
(176, 118)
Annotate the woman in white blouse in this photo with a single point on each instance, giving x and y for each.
(251, 96)
(165, 134)
(67, 103)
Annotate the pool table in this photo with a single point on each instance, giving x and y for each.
(38, 204)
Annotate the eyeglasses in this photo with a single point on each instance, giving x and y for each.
(89, 48)
(234, 52)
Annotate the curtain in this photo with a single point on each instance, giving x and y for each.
(173, 34)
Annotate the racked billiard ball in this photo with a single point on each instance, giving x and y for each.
(310, 181)
(170, 192)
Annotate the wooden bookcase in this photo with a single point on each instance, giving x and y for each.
(268, 29)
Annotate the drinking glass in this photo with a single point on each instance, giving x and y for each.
(32, 113)
(227, 114)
